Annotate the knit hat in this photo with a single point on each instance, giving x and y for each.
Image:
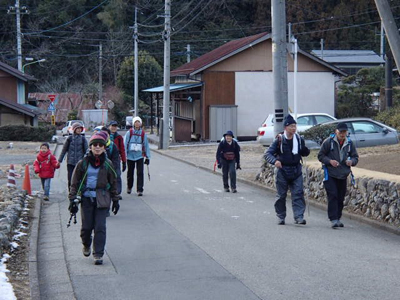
(288, 121)
(76, 125)
(100, 137)
(342, 126)
(136, 119)
(229, 133)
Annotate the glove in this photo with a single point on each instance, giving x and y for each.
(123, 166)
(73, 207)
(115, 207)
(238, 167)
(219, 166)
(146, 161)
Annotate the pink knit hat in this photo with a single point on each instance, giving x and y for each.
(98, 138)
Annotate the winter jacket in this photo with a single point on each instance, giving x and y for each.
(119, 142)
(45, 164)
(113, 155)
(106, 188)
(76, 147)
(143, 149)
(330, 150)
(224, 148)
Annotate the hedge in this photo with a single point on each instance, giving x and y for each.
(319, 133)
(27, 133)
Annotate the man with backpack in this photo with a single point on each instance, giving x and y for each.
(285, 154)
(119, 142)
(76, 147)
(138, 154)
(228, 156)
(337, 154)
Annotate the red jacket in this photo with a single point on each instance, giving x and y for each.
(119, 141)
(45, 164)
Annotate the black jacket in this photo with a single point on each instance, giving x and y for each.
(224, 147)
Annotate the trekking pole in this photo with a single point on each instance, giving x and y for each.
(307, 182)
(73, 215)
(353, 180)
(215, 165)
(148, 172)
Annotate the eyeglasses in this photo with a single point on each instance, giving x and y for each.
(98, 145)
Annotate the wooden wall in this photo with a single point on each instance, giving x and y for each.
(8, 87)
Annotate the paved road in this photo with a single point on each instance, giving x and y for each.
(186, 239)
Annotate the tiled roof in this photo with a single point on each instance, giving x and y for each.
(350, 56)
(13, 71)
(218, 54)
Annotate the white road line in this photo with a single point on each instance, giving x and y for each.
(201, 190)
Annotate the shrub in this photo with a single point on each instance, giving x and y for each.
(319, 133)
(27, 133)
(390, 117)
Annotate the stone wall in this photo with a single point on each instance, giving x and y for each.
(371, 197)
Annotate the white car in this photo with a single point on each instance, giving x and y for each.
(265, 134)
(67, 130)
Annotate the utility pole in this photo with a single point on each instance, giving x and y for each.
(388, 80)
(322, 48)
(167, 48)
(391, 29)
(188, 53)
(279, 60)
(382, 41)
(101, 72)
(136, 68)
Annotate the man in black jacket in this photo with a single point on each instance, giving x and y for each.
(285, 154)
(228, 154)
(337, 155)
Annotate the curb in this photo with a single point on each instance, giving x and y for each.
(313, 203)
(33, 247)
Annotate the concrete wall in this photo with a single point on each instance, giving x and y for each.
(254, 96)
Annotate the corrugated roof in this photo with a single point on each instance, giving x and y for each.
(13, 71)
(174, 87)
(216, 55)
(350, 56)
(19, 107)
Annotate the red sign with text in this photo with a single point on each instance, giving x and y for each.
(51, 97)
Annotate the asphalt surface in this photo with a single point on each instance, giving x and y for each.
(187, 239)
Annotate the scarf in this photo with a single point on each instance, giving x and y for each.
(41, 157)
(295, 149)
(96, 161)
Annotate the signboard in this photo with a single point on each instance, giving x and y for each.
(110, 104)
(52, 97)
(53, 120)
(98, 104)
(51, 107)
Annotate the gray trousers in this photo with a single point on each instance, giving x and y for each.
(93, 219)
(228, 168)
(296, 188)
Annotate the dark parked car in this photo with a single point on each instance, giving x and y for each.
(365, 132)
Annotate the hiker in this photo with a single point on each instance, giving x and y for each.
(76, 147)
(337, 155)
(138, 154)
(95, 181)
(285, 154)
(45, 165)
(228, 158)
(113, 155)
(118, 141)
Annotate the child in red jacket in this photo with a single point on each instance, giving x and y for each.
(45, 165)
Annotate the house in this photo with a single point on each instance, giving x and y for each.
(231, 87)
(350, 61)
(13, 107)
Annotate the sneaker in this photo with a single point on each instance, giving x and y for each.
(226, 190)
(46, 198)
(334, 224)
(281, 221)
(129, 191)
(98, 260)
(140, 194)
(340, 224)
(86, 251)
(234, 190)
(300, 221)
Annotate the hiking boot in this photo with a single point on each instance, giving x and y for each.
(98, 260)
(340, 224)
(129, 191)
(226, 190)
(46, 198)
(300, 221)
(234, 191)
(86, 251)
(281, 221)
(334, 224)
(140, 194)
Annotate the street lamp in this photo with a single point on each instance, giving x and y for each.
(31, 63)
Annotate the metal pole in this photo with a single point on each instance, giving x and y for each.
(391, 29)
(188, 53)
(322, 48)
(279, 58)
(295, 79)
(388, 81)
(136, 68)
(100, 72)
(382, 41)
(19, 47)
(167, 44)
(151, 114)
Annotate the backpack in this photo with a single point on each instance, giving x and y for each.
(279, 137)
(131, 132)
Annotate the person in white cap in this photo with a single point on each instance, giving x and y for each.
(137, 153)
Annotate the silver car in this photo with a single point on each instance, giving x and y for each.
(365, 132)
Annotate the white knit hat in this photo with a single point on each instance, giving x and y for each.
(136, 119)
